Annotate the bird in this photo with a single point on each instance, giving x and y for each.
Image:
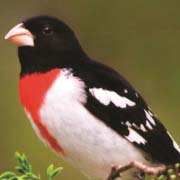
(85, 111)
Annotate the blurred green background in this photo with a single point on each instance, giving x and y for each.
(141, 39)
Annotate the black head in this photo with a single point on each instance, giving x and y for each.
(50, 33)
(44, 43)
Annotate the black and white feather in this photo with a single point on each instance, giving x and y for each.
(116, 103)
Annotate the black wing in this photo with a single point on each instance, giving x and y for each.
(132, 119)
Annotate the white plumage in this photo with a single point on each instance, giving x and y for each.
(88, 143)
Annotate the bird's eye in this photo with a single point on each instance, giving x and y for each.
(47, 31)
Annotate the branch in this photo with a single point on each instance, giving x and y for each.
(151, 173)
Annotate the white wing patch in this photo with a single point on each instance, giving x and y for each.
(148, 125)
(174, 143)
(143, 128)
(126, 91)
(106, 97)
(149, 117)
(133, 136)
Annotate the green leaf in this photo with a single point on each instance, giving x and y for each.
(52, 172)
(173, 177)
(161, 177)
(170, 171)
(177, 165)
(7, 175)
(50, 169)
(23, 164)
(56, 171)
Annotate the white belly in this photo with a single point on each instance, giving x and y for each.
(88, 143)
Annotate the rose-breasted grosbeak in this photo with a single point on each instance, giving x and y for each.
(85, 111)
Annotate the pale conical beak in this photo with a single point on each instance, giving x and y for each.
(20, 36)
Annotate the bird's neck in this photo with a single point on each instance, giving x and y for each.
(33, 62)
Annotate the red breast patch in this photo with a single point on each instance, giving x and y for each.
(32, 90)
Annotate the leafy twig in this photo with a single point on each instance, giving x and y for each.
(25, 172)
